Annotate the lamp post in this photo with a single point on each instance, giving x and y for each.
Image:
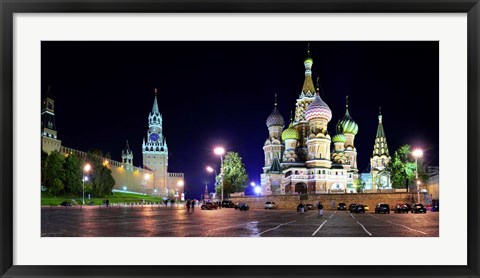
(86, 168)
(417, 153)
(180, 184)
(211, 170)
(220, 151)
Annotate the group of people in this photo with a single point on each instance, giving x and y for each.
(190, 204)
(301, 208)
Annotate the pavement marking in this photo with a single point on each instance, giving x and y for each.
(314, 233)
(364, 229)
(407, 227)
(353, 216)
(332, 215)
(221, 228)
(290, 214)
(275, 227)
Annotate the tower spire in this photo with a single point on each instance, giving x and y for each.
(308, 50)
(155, 104)
(346, 103)
(275, 100)
(380, 114)
(308, 90)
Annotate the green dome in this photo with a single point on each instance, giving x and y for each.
(347, 123)
(290, 133)
(339, 138)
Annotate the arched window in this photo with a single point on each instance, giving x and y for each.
(296, 172)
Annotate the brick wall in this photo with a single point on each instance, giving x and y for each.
(291, 201)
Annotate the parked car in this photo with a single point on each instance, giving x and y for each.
(209, 206)
(342, 206)
(382, 208)
(270, 205)
(228, 204)
(367, 208)
(418, 208)
(359, 208)
(66, 204)
(351, 207)
(402, 208)
(309, 207)
(241, 206)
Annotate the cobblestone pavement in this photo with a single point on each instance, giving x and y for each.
(154, 221)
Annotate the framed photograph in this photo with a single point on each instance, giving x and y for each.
(239, 138)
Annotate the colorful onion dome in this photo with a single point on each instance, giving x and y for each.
(318, 110)
(290, 133)
(339, 138)
(275, 117)
(348, 124)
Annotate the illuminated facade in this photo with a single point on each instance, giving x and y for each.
(380, 159)
(153, 178)
(300, 159)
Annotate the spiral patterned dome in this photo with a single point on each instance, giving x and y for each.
(348, 124)
(275, 118)
(339, 138)
(290, 133)
(318, 109)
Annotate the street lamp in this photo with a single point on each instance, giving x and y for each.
(220, 151)
(144, 183)
(258, 190)
(252, 183)
(211, 170)
(86, 168)
(417, 153)
(180, 183)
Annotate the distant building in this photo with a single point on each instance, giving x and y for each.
(153, 178)
(380, 161)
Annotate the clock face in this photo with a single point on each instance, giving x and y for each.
(154, 137)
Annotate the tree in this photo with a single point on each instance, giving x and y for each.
(380, 182)
(54, 174)
(72, 178)
(403, 168)
(102, 181)
(235, 177)
(359, 185)
(43, 167)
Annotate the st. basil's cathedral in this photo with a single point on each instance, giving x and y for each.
(301, 159)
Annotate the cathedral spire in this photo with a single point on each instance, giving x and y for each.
(380, 131)
(308, 89)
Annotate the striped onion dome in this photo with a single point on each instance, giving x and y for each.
(275, 118)
(339, 138)
(318, 109)
(348, 124)
(290, 133)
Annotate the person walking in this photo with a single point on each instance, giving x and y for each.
(320, 209)
(188, 206)
(193, 206)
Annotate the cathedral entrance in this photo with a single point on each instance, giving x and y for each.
(288, 189)
(301, 188)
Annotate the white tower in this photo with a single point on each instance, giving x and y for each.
(155, 150)
(127, 158)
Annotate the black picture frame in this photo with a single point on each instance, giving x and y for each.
(9, 7)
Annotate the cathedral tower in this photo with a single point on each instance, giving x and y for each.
(273, 147)
(380, 158)
(49, 131)
(307, 95)
(350, 129)
(127, 158)
(290, 137)
(155, 151)
(318, 115)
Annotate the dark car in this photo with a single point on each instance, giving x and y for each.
(209, 206)
(300, 207)
(66, 204)
(342, 206)
(351, 207)
(402, 208)
(382, 208)
(241, 206)
(309, 207)
(228, 204)
(359, 208)
(418, 208)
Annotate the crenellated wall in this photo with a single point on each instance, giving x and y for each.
(291, 201)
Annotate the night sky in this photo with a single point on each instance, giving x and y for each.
(221, 93)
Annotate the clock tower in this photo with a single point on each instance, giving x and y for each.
(155, 151)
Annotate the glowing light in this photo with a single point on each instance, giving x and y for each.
(418, 182)
(85, 178)
(87, 167)
(258, 190)
(124, 188)
(146, 177)
(219, 150)
(209, 169)
(180, 183)
(417, 153)
(252, 183)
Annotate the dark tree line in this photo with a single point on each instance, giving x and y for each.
(63, 174)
